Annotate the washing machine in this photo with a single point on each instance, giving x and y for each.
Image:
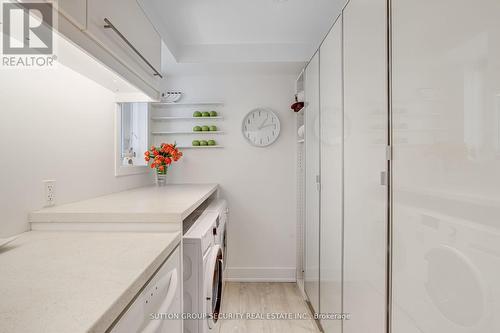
(203, 276)
(219, 206)
(445, 272)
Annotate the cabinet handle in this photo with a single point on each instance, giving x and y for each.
(110, 25)
(383, 178)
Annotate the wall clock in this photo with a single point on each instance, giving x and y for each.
(261, 127)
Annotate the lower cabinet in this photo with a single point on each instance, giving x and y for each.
(155, 308)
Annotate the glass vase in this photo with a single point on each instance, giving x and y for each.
(161, 177)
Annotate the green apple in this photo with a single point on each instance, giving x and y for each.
(206, 114)
(213, 113)
(212, 143)
(203, 143)
(197, 129)
(197, 114)
(196, 143)
(213, 128)
(205, 128)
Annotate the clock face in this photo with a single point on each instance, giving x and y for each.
(261, 127)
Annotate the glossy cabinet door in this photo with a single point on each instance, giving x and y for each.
(75, 11)
(331, 177)
(446, 101)
(365, 198)
(311, 241)
(131, 21)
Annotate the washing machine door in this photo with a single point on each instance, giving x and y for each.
(224, 246)
(213, 280)
(222, 241)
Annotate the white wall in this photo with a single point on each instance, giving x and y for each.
(259, 183)
(54, 124)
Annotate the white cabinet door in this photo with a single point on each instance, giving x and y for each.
(127, 16)
(160, 298)
(311, 122)
(75, 11)
(365, 199)
(446, 102)
(331, 115)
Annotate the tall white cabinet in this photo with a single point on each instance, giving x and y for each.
(365, 162)
(331, 148)
(417, 249)
(311, 223)
(346, 183)
(446, 99)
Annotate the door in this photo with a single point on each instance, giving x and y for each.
(446, 102)
(129, 19)
(365, 141)
(311, 122)
(331, 176)
(214, 287)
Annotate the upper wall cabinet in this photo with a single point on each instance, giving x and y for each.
(75, 11)
(132, 48)
(133, 31)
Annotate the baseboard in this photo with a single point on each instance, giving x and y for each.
(260, 274)
(300, 284)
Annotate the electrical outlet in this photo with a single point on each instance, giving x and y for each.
(50, 192)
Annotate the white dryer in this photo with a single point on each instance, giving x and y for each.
(203, 276)
(219, 206)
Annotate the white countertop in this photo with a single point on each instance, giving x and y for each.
(168, 204)
(75, 281)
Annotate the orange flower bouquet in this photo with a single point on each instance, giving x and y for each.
(161, 158)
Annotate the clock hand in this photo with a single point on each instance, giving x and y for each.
(262, 125)
(267, 126)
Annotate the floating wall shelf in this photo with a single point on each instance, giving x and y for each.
(192, 132)
(186, 118)
(174, 122)
(187, 104)
(199, 147)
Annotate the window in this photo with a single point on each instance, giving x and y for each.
(132, 138)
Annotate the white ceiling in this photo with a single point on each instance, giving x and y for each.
(242, 31)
